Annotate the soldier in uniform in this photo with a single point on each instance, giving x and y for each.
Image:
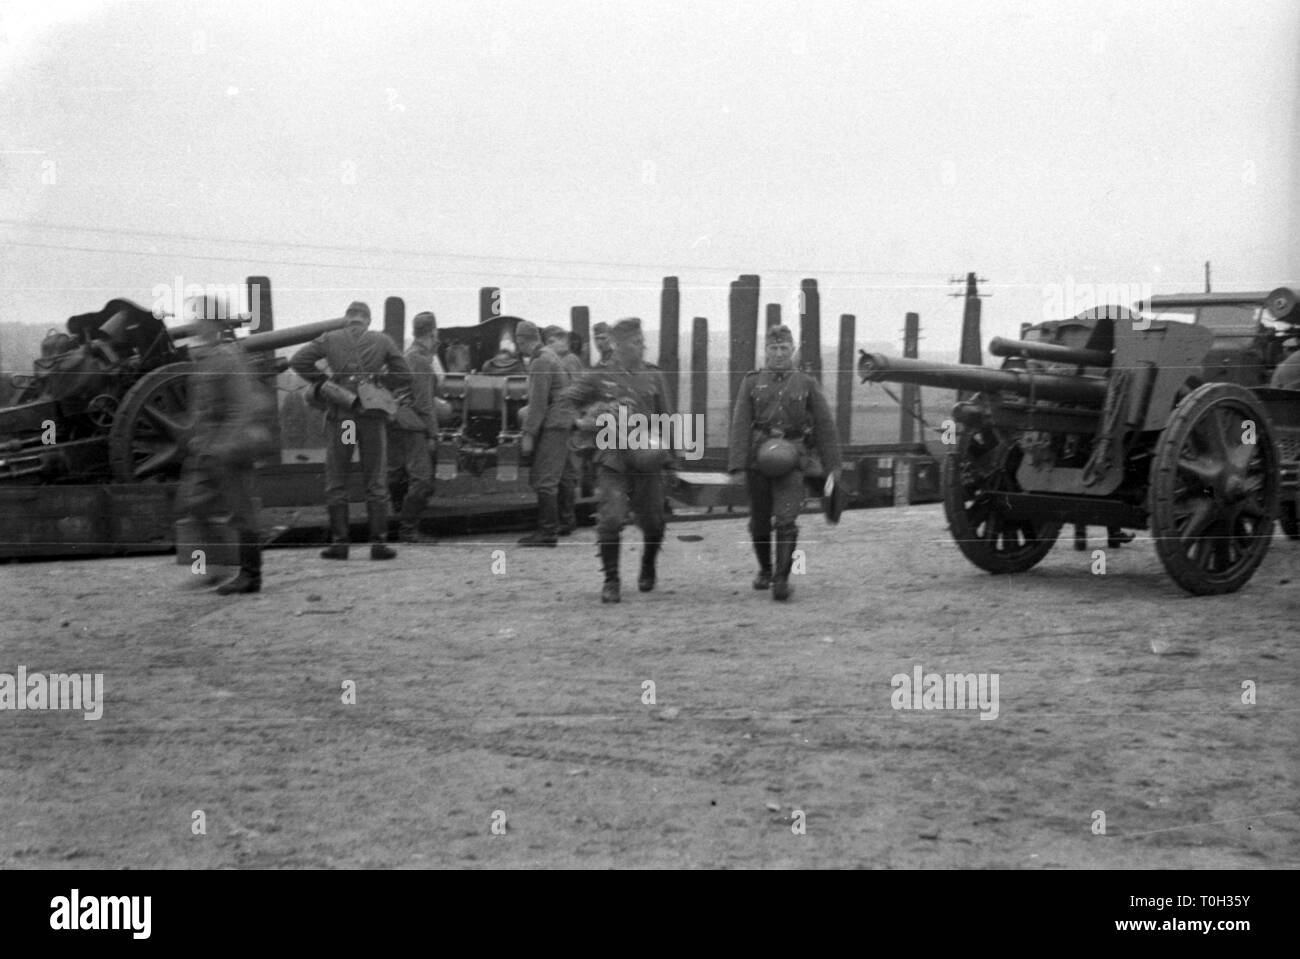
(546, 434)
(600, 339)
(786, 405)
(571, 361)
(625, 478)
(352, 354)
(231, 408)
(413, 434)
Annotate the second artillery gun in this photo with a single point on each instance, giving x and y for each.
(1130, 420)
(107, 401)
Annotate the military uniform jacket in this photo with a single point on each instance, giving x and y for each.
(548, 378)
(605, 389)
(424, 383)
(232, 407)
(786, 403)
(350, 357)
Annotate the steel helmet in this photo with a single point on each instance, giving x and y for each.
(777, 458)
(652, 457)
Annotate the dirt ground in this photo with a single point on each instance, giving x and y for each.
(516, 692)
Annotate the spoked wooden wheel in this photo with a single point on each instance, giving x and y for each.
(987, 533)
(1214, 489)
(151, 430)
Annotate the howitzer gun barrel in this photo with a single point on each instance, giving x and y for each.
(192, 329)
(1161, 301)
(877, 368)
(292, 336)
(1048, 352)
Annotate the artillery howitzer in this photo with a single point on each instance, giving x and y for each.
(107, 401)
(485, 387)
(1124, 420)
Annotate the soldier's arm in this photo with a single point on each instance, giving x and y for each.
(304, 361)
(663, 401)
(828, 439)
(584, 391)
(742, 424)
(399, 371)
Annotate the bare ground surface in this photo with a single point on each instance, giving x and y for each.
(519, 692)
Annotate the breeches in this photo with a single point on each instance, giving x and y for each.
(369, 434)
(641, 492)
(209, 488)
(773, 502)
(552, 463)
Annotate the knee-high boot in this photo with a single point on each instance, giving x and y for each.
(547, 522)
(377, 514)
(646, 581)
(249, 579)
(609, 564)
(785, 543)
(338, 548)
(763, 550)
(568, 517)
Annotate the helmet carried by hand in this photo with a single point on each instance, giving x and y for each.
(777, 458)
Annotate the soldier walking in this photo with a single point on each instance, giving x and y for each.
(546, 433)
(231, 409)
(354, 354)
(625, 478)
(780, 418)
(413, 433)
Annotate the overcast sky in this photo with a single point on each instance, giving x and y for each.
(575, 153)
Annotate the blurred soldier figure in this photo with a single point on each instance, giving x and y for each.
(231, 408)
(413, 433)
(353, 354)
(779, 419)
(625, 478)
(560, 342)
(600, 340)
(546, 434)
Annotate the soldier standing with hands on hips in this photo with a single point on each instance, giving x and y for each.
(780, 418)
(356, 357)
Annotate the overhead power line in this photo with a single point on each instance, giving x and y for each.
(472, 257)
(634, 282)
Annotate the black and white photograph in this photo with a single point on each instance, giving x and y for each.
(562, 435)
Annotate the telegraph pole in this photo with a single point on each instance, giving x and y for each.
(910, 408)
(971, 351)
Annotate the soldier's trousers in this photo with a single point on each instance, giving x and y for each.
(369, 434)
(773, 502)
(642, 492)
(411, 466)
(552, 464)
(209, 488)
